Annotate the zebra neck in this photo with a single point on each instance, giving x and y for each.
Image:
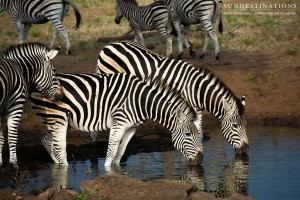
(208, 93)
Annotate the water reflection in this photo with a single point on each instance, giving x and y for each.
(270, 172)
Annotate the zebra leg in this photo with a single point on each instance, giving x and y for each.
(26, 30)
(186, 34)
(55, 142)
(54, 36)
(139, 37)
(115, 136)
(211, 33)
(123, 144)
(177, 27)
(59, 28)
(21, 33)
(1, 142)
(13, 121)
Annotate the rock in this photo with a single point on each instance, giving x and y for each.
(237, 196)
(58, 194)
(116, 187)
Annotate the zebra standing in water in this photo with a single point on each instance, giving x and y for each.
(119, 102)
(25, 13)
(188, 12)
(154, 16)
(24, 68)
(201, 88)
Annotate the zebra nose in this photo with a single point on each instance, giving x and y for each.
(243, 149)
(197, 159)
(117, 20)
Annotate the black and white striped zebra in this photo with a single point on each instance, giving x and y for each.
(188, 12)
(25, 13)
(119, 102)
(141, 18)
(201, 88)
(24, 68)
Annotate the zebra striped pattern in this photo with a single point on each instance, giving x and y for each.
(152, 17)
(25, 13)
(188, 12)
(23, 69)
(201, 88)
(119, 102)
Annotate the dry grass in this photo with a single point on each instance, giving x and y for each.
(250, 33)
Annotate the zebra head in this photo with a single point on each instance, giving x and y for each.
(46, 81)
(122, 7)
(233, 124)
(185, 136)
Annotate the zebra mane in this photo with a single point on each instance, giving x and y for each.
(162, 87)
(13, 50)
(230, 93)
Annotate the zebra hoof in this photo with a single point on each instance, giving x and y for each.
(201, 57)
(179, 56)
(217, 57)
(192, 53)
(68, 52)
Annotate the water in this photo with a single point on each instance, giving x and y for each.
(271, 171)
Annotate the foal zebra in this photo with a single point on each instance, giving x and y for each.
(119, 102)
(201, 88)
(25, 13)
(188, 12)
(152, 17)
(24, 68)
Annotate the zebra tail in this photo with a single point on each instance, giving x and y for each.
(220, 26)
(78, 16)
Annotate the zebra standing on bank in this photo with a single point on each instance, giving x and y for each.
(152, 17)
(119, 102)
(188, 12)
(25, 13)
(24, 68)
(201, 88)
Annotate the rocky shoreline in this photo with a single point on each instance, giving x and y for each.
(120, 187)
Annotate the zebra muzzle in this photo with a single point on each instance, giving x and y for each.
(197, 160)
(243, 149)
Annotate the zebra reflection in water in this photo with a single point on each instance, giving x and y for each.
(233, 179)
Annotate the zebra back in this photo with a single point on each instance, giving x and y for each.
(201, 88)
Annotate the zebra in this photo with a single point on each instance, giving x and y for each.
(24, 68)
(155, 16)
(25, 13)
(202, 89)
(119, 102)
(188, 12)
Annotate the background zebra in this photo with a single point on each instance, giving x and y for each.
(24, 68)
(201, 88)
(152, 17)
(187, 12)
(119, 102)
(25, 13)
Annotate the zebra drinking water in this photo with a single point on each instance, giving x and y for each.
(24, 68)
(25, 13)
(188, 12)
(119, 102)
(201, 88)
(152, 17)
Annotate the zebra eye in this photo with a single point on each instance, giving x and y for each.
(188, 134)
(234, 125)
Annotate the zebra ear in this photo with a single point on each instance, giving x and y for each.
(52, 53)
(180, 115)
(243, 100)
(227, 105)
